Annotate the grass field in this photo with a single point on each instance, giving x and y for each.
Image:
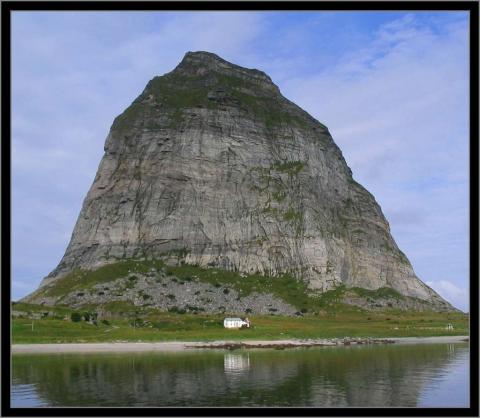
(153, 325)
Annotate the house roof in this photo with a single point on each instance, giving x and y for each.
(233, 319)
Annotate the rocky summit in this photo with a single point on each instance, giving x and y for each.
(212, 169)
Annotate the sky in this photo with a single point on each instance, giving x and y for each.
(392, 87)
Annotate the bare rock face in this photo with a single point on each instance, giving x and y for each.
(213, 162)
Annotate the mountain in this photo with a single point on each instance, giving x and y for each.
(212, 169)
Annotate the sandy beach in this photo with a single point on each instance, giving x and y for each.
(173, 346)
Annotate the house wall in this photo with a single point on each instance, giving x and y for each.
(233, 324)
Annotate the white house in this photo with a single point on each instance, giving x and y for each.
(236, 323)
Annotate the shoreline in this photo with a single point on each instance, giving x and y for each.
(176, 346)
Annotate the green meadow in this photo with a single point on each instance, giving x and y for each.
(153, 325)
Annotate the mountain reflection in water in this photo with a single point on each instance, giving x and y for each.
(393, 375)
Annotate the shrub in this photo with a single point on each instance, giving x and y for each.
(226, 291)
(175, 309)
(137, 323)
(75, 317)
(105, 322)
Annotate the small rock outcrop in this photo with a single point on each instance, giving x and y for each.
(212, 162)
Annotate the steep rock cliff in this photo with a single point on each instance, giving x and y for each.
(213, 163)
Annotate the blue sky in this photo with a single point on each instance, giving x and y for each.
(391, 87)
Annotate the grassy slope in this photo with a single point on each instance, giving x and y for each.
(285, 287)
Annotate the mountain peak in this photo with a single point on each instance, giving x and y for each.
(212, 167)
(202, 55)
(202, 62)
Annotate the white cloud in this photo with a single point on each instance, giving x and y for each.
(458, 296)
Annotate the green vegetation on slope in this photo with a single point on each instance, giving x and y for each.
(285, 287)
(80, 279)
(383, 292)
(174, 92)
(266, 107)
(290, 167)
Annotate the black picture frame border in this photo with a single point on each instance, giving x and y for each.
(7, 7)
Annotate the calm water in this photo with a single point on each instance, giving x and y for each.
(422, 375)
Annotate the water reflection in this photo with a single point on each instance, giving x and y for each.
(406, 375)
(236, 362)
(26, 396)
